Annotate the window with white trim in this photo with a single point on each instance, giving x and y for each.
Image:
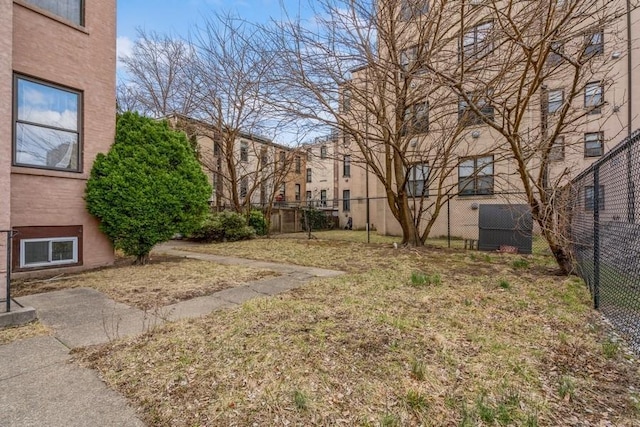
(46, 125)
(49, 251)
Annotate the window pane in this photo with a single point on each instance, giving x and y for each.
(485, 165)
(61, 251)
(485, 185)
(555, 100)
(71, 10)
(40, 146)
(465, 186)
(466, 168)
(47, 105)
(36, 252)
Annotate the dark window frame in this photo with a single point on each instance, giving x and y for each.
(413, 183)
(594, 43)
(416, 119)
(589, 100)
(309, 174)
(594, 151)
(323, 152)
(17, 121)
(589, 198)
(346, 200)
(80, 22)
(410, 9)
(476, 177)
(346, 166)
(244, 151)
(480, 46)
(468, 117)
(556, 103)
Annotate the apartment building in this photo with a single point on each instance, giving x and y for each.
(57, 65)
(601, 110)
(322, 174)
(246, 170)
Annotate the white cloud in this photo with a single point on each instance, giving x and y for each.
(124, 48)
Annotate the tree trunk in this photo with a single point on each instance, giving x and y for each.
(142, 259)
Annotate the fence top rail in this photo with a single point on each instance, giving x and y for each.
(621, 146)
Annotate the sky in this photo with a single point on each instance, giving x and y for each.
(178, 16)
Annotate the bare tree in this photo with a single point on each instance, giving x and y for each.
(525, 73)
(234, 66)
(541, 67)
(161, 76)
(364, 71)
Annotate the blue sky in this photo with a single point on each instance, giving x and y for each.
(178, 16)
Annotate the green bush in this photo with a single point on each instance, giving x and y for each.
(317, 219)
(223, 227)
(258, 222)
(149, 186)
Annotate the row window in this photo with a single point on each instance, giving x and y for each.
(346, 200)
(416, 119)
(346, 166)
(413, 8)
(46, 125)
(70, 10)
(475, 176)
(418, 180)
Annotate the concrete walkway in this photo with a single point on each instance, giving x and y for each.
(38, 385)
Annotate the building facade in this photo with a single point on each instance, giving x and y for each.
(602, 110)
(246, 170)
(57, 65)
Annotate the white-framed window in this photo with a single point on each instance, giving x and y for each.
(297, 192)
(475, 176)
(48, 251)
(476, 42)
(69, 10)
(555, 100)
(593, 97)
(46, 125)
(418, 180)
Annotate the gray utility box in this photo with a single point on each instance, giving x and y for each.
(505, 225)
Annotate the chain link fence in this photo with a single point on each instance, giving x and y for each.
(605, 235)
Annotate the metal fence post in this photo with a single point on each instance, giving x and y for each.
(596, 237)
(448, 223)
(8, 272)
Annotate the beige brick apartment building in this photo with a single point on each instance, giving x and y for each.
(57, 66)
(257, 172)
(607, 111)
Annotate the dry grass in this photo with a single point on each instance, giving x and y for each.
(165, 281)
(33, 329)
(488, 342)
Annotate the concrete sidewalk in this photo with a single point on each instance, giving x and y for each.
(41, 388)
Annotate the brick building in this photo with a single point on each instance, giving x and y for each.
(57, 65)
